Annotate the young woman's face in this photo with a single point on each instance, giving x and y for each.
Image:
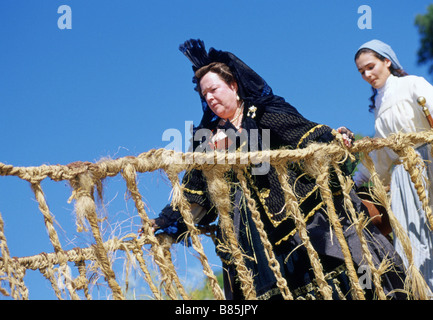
(220, 97)
(373, 70)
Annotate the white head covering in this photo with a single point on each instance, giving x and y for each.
(384, 50)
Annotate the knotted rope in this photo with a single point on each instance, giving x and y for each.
(86, 179)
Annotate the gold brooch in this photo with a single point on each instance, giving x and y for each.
(252, 112)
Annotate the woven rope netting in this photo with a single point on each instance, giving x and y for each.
(86, 181)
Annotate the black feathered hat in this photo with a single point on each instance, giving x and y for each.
(252, 88)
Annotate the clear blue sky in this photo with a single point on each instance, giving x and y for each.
(111, 85)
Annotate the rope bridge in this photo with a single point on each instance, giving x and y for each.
(86, 180)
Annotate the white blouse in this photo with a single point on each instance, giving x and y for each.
(396, 110)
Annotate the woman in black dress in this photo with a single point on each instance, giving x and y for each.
(235, 98)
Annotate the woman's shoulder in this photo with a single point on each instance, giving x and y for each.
(416, 86)
(411, 84)
(411, 80)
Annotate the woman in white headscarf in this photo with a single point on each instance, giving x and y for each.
(394, 103)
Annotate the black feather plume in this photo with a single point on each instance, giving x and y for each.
(196, 52)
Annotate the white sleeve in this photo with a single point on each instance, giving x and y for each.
(383, 160)
(361, 176)
(422, 88)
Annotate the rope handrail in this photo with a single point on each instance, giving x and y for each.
(86, 177)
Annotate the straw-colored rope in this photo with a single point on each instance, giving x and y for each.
(316, 159)
(360, 221)
(5, 272)
(85, 206)
(81, 282)
(273, 262)
(160, 255)
(413, 164)
(180, 202)
(301, 227)
(219, 190)
(415, 283)
(322, 179)
(63, 270)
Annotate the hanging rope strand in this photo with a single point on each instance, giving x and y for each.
(86, 177)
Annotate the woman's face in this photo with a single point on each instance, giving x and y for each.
(220, 97)
(373, 70)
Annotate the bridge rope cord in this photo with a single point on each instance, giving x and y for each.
(86, 179)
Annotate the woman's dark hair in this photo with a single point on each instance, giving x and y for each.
(219, 68)
(394, 71)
